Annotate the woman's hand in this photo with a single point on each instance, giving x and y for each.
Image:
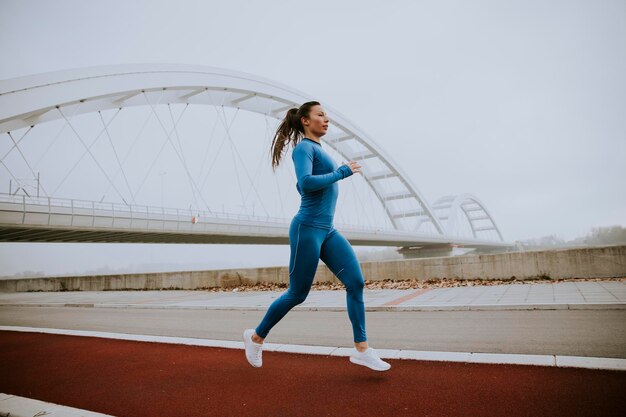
(354, 166)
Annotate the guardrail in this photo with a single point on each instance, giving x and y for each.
(51, 211)
(59, 219)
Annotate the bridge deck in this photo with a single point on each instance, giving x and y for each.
(60, 220)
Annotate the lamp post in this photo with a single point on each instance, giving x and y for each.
(162, 174)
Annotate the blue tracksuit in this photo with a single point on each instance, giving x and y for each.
(312, 237)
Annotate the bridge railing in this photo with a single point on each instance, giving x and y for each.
(51, 206)
(52, 211)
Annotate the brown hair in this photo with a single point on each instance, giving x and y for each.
(290, 131)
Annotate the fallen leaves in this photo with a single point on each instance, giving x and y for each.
(389, 284)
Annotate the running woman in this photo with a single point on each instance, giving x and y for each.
(311, 233)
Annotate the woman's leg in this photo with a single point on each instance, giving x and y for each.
(305, 243)
(338, 255)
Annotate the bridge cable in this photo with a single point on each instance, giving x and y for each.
(15, 144)
(373, 203)
(181, 158)
(165, 142)
(210, 98)
(268, 139)
(168, 139)
(27, 164)
(180, 145)
(218, 149)
(206, 152)
(361, 205)
(227, 136)
(10, 173)
(81, 157)
(257, 171)
(232, 154)
(269, 133)
(244, 167)
(130, 149)
(115, 152)
(17, 181)
(87, 148)
(56, 137)
(227, 126)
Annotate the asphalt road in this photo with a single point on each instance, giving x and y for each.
(599, 333)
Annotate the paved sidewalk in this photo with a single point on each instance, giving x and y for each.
(560, 295)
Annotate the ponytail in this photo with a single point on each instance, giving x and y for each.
(290, 130)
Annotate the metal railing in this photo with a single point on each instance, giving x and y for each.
(78, 215)
(52, 206)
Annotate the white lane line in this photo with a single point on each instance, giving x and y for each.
(424, 355)
(471, 357)
(507, 358)
(311, 350)
(591, 363)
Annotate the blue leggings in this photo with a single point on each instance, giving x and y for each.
(308, 245)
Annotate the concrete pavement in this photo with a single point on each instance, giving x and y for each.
(598, 333)
(564, 318)
(552, 296)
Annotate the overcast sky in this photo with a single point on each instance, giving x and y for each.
(520, 103)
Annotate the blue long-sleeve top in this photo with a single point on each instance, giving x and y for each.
(317, 175)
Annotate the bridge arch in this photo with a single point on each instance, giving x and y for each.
(31, 100)
(470, 207)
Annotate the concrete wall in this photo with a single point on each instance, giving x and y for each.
(598, 262)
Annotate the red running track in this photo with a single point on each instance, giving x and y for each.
(128, 378)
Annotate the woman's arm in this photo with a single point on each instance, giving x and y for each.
(303, 160)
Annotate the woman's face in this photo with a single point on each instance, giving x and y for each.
(317, 122)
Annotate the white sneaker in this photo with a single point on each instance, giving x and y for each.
(253, 349)
(370, 359)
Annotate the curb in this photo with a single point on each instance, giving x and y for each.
(559, 361)
(17, 406)
(433, 307)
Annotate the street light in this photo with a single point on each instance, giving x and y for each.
(162, 174)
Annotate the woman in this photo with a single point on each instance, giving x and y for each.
(311, 234)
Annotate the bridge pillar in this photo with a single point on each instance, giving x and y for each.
(430, 251)
(487, 250)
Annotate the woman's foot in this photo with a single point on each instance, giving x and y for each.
(253, 350)
(369, 358)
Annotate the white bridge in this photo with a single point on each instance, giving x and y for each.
(397, 214)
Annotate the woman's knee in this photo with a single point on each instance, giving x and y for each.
(359, 284)
(354, 283)
(297, 297)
